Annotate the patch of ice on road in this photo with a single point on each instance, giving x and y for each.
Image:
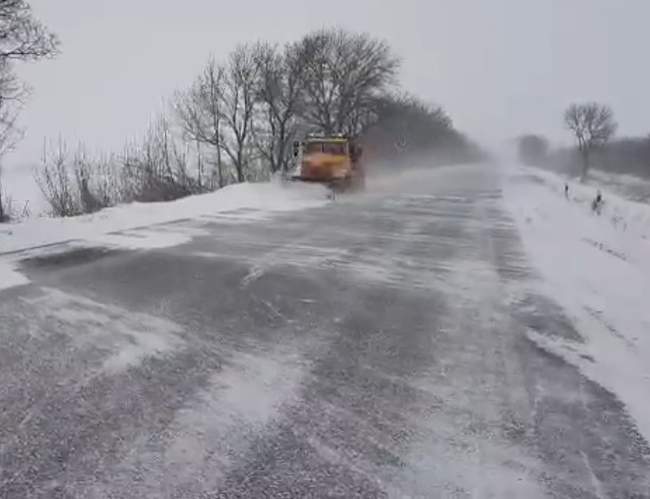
(262, 197)
(121, 337)
(10, 277)
(598, 269)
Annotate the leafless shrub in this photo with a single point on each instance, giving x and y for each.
(97, 180)
(157, 169)
(76, 183)
(9, 211)
(55, 177)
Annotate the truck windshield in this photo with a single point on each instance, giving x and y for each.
(334, 148)
(312, 147)
(326, 147)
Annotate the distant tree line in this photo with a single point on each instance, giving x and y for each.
(533, 149)
(405, 128)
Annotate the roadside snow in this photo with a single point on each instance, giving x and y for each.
(9, 277)
(628, 186)
(264, 197)
(598, 269)
(132, 226)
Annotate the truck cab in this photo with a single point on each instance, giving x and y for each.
(332, 160)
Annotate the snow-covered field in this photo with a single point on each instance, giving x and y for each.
(628, 186)
(598, 268)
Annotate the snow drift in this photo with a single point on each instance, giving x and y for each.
(263, 197)
(111, 226)
(598, 268)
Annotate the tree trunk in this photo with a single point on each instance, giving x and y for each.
(219, 168)
(239, 165)
(585, 165)
(3, 214)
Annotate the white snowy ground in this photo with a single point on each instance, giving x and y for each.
(628, 186)
(598, 269)
(255, 201)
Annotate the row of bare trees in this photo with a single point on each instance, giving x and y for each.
(238, 120)
(254, 105)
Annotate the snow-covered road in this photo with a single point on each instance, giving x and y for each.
(392, 344)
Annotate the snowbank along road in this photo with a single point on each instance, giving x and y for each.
(378, 346)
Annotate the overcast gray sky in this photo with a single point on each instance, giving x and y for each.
(499, 67)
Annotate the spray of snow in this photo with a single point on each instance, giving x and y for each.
(598, 268)
(124, 338)
(217, 427)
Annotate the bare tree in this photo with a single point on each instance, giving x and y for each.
(21, 38)
(592, 125)
(239, 100)
(343, 74)
(12, 95)
(280, 75)
(199, 111)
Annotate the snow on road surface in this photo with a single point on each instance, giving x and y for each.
(10, 277)
(598, 268)
(125, 225)
(371, 348)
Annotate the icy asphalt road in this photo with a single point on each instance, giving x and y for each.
(375, 347)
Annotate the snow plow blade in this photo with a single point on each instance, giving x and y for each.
(335, 184)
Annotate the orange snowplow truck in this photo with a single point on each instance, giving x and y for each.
(333, 160)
